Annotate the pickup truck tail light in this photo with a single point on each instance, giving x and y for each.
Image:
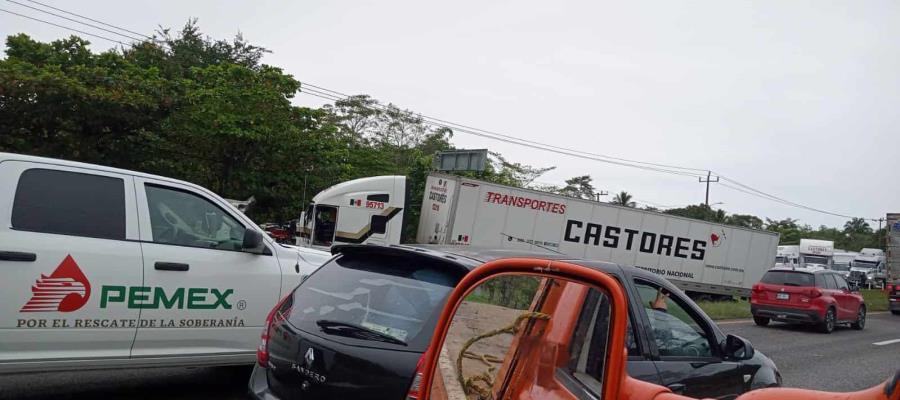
(276, 315)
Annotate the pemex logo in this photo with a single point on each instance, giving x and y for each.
(65, 290)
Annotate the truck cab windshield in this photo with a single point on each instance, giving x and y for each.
(815, 260)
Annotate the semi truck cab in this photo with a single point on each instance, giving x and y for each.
(366, 210)
(816, 253)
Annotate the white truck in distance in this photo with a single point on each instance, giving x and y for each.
(107, 268)
(868, 267)
(816, 253)
(695, 255)
(842, 261)
(787, 256)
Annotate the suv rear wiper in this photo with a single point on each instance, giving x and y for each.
(357, 331)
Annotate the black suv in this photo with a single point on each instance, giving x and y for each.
(358, 326)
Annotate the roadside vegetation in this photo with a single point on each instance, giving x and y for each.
(722, 310)
(876, 300)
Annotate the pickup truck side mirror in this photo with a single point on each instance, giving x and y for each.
(737, 348)
(253, 242)
(504, 317)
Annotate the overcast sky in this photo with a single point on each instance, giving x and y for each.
(795, 98)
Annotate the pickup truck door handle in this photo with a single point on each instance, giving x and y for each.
(677, 388)
(170, 266)
(17, 256)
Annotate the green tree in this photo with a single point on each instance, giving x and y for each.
(579, 187)
(623, 199)
(744, 220)
(857, 226)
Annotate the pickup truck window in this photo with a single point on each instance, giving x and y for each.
(185, 219)
(587, 353)
(675, 331)
(70, 203)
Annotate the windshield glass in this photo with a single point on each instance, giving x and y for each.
(397, 296)
(779, 260)
(788, 278)
(841, 266)
(815, 260)
(864, 264)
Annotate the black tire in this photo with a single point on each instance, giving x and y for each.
(828, 323)
(860, 323)
(761, 321)
(895, 312)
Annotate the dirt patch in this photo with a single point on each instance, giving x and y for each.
(473, 319)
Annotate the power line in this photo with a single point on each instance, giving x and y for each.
(65, 27)
(90, 19)
(320, 88)
(334, 95)
(533, 145)
(75, 20)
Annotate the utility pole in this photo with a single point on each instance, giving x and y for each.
(880, 220)
(707, 181)
(600, 193)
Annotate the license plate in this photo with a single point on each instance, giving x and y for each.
(782, 296)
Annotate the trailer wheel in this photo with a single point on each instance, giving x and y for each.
(761, 321)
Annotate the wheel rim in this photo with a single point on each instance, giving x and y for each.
(829, 320)
(861, 318)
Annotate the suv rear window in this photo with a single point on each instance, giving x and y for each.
(394, 294)
(788, 278)
(70, 203)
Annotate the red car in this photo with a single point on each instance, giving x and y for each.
(811, 296)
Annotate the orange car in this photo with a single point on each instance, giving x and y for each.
(550, 351)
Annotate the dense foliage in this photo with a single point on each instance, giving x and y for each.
(209, 112)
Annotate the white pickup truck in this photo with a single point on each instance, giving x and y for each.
(106, 268)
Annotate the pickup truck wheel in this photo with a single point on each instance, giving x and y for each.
(761, 321)
(827, 325)
(860, 319)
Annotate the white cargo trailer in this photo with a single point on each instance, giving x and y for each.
(696, 255)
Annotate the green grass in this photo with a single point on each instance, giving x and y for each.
(718, 310)
(876, 300)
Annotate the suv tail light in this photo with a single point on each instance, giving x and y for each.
(276, 315)
(813, 293)
(415, 388)
(757, 291)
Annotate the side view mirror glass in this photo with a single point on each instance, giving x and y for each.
(737, 348)
(567, 331)
(252, 242)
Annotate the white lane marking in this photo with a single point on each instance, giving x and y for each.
(887, 342)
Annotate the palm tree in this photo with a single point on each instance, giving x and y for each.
(623, 199)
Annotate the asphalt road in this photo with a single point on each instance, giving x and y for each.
(845, 360)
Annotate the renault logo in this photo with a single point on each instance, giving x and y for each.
(310, 357)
